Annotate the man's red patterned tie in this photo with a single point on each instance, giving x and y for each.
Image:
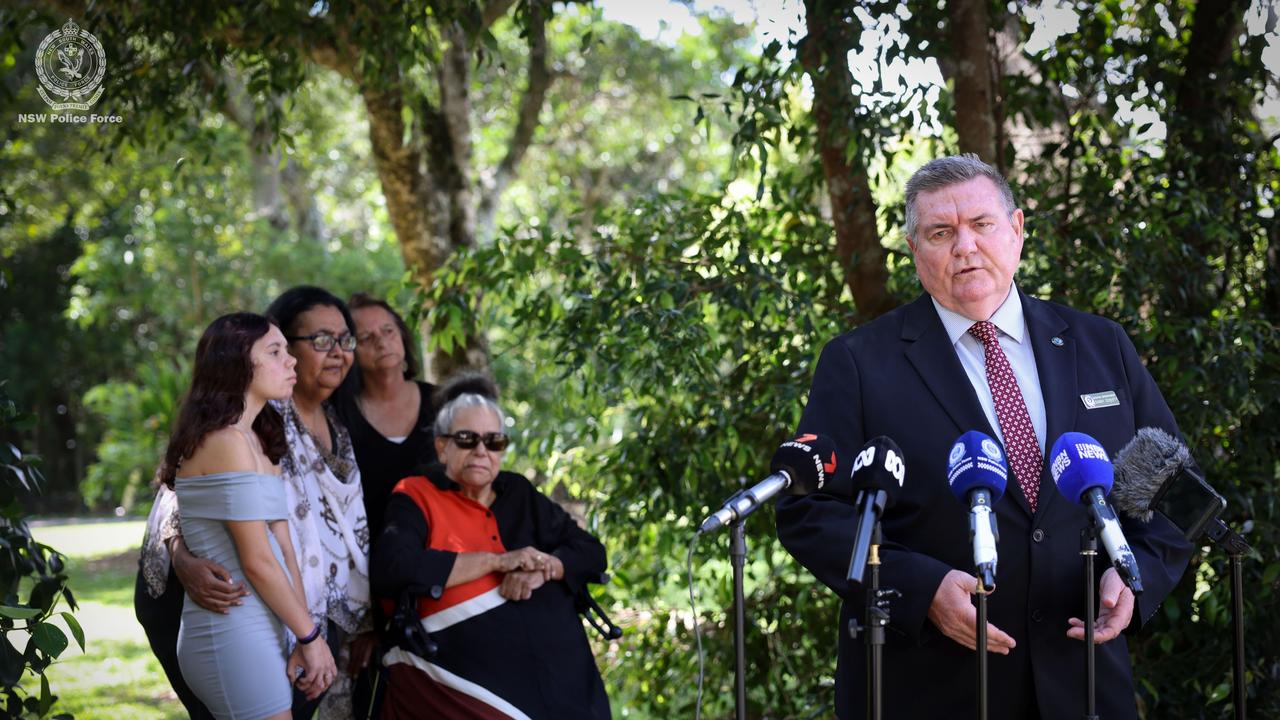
(1020, 442)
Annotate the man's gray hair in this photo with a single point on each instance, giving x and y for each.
(947, 171)
(444, 418)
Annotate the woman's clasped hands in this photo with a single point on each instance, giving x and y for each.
(527, 569)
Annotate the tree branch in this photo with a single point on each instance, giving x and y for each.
(452, 164)
(399, 168)
(494, 10)
(526, 119)
(1201, 125)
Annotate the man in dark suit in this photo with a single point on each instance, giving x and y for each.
(975, 353)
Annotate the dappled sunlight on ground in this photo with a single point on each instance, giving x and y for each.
(116, 677)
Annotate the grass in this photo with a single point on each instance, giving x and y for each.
(116, 677)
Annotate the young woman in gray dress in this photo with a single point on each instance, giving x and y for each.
(222, 462)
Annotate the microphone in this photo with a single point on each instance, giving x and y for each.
(1154, 473)
(977, 473)
(805, 464)
(1084, 474)
(878, 472)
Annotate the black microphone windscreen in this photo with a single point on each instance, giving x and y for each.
(879, 466)
(810, 461)
(1142, 467)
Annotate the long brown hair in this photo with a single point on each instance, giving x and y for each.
(221, 377)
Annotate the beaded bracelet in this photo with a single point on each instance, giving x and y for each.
(311, 636)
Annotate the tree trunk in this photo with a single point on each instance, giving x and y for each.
(1202, 147)
(975, 106)
(1203, 89)
(429, 179)
(425, 169)
(539, 81)
(824, 54)
(404, 184)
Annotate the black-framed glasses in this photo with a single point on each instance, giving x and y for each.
(468, 439)
(323, 341)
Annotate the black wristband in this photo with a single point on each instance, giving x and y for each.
(311, 636)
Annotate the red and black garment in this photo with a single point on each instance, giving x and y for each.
(496, 658)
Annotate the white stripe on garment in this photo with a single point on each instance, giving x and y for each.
(465, 610)
(449, 680)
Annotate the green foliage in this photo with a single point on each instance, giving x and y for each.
(121, 265)
(138, 416)
(657, 362)
(655, 348)
(1172, 242)
(25, 562)
(665, 276)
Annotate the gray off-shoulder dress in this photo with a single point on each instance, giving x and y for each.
(235, 663)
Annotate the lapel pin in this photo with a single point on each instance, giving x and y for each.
(1057, 341)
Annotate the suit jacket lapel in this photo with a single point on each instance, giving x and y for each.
(930, 352)
(1056, 366)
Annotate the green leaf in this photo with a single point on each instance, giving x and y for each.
(11, 664)
(49, 639)
(74, 626)
(46, 696)
(19, 613)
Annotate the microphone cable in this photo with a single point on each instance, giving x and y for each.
(697, 629)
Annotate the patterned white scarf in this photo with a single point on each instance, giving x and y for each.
(330, 536)
(327, 521)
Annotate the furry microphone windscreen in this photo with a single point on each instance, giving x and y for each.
(1142, 467)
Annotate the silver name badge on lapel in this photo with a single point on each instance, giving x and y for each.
(1094, 401)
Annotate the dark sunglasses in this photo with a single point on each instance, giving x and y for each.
(468, 439)
(324, 342)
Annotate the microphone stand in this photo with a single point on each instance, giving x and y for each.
(1236, 548)
(737, 558)
(981, 597)
(877, 620)
(1089, 551)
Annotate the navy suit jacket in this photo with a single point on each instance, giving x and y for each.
(899, 376)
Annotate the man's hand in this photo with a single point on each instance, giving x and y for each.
(207, 582)
(952, 611)
(520, 585)
(1115, 614)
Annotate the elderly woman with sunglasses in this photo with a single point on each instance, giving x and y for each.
(494, 566)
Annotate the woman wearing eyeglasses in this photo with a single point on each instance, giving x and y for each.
(495, 566)
(323, 489)
(326, 516)
(388, 414)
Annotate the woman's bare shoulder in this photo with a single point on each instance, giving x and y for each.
(221, 451)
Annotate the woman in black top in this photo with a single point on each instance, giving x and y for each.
(388, 414)
(494, 566)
